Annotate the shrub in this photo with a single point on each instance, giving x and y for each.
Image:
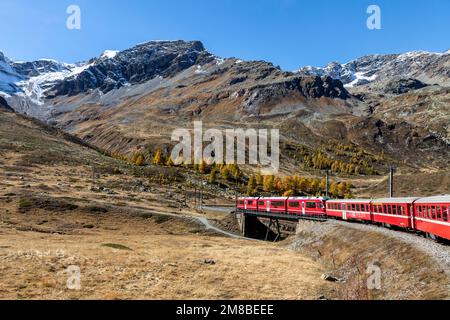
(116, 246)
(24, 203)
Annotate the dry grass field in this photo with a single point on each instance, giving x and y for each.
(54, 214)
(128, 255)
(132, 236)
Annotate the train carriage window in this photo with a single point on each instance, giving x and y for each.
(278, 204)
(343, 207)
(439, 213)
(311, 205)
(294, 204)
(433, 212)
(446, 214)
(250, 203)
(261, 203)
(401, 211)
(428, 212)
(394, 210)
(358, 207)
(241, 202)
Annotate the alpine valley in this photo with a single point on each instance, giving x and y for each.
(355, 119)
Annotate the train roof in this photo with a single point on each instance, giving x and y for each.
(435, 199)
(273, 198)
(308, 198)
(394, 200)
(351, 200)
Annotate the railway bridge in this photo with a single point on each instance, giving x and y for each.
(268, 226)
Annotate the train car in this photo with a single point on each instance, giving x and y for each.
(241, 203)
(354, 209)
(248, 204)
(432, 216)
(394, 212)
(313, 207)
(272, 204)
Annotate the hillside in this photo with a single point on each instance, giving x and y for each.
(135, 234)
(131, 101)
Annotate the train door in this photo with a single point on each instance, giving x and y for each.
(268, 206)
(412, 214)
(303, 208)
(344, 211)
(245, 204)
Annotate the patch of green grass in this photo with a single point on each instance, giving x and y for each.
(116, 246)
(24, 203)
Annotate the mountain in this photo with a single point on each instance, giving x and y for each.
(4, 105)
(8, 76)
(428, 67)
(133, 66)
(144, 68)
(132, 100)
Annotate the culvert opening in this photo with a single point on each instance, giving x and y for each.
(267, 229)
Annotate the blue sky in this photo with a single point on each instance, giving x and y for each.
(289, 33)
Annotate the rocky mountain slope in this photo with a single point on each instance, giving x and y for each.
(132, 100)
(428, 67)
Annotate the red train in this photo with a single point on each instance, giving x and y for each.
(426, 215)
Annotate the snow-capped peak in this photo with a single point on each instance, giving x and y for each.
(109, 54)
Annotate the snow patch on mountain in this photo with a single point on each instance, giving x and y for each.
(359, 79)
(35, 87)
(8, 76)
(109, 54)
(30, 80)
